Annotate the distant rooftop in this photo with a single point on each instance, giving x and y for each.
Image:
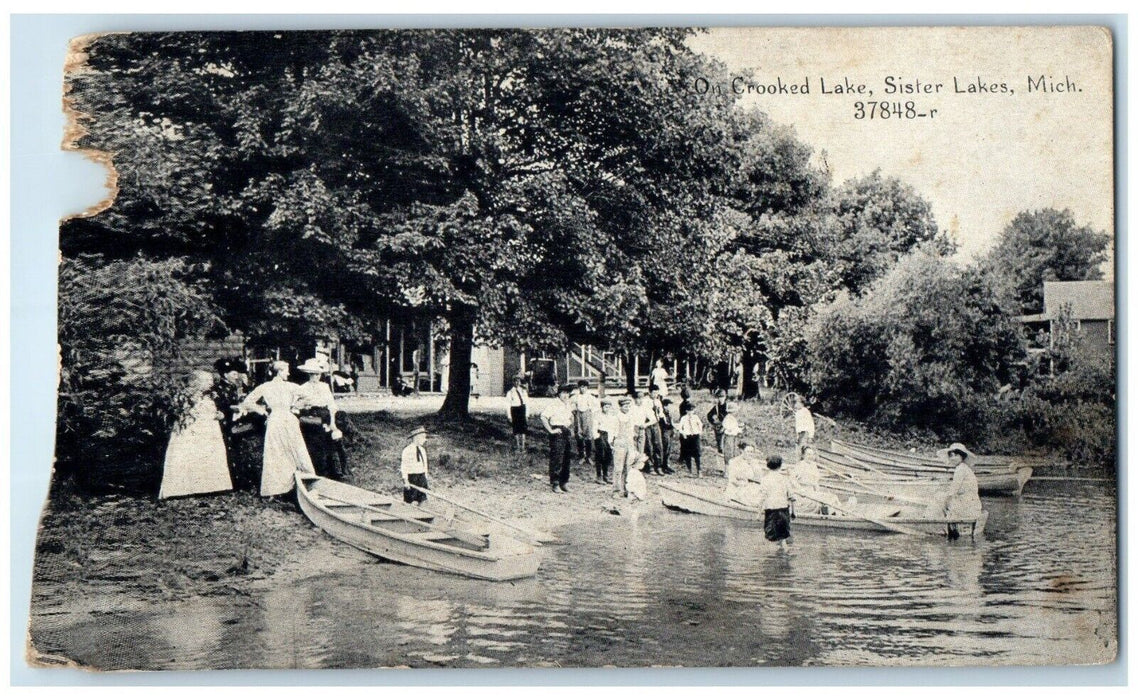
(1090, 301)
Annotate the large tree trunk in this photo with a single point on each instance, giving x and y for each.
(630, 373)
(456, 405)
(750, 381)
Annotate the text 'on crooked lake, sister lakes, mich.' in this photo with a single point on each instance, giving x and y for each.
(890, 85)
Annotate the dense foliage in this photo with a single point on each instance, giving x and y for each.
(915, 348)
(119, 326)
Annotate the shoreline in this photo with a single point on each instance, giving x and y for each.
(98, 555)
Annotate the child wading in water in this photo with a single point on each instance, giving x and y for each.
(775, 502)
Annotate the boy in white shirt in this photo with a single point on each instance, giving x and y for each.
(732, 429)
(606, 426)
(413, 467)
(690, 429)
(516, 400)
(775, 498)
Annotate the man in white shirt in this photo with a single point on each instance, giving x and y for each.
(652, 438)
(558, 422)
(585, 408)
(413, 467)
(625, 456)
(516, 400)
(803, 422)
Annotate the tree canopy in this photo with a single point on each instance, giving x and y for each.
(1046, 244)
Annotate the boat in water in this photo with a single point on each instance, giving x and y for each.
(873, 517)
(994, 480)
(423, 537)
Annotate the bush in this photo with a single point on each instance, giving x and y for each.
(119, 327)
(915, 349)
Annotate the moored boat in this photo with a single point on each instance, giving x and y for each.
(709, 500)
(980, 463)
(390, 529)
(993, 481)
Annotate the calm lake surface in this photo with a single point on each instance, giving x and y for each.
(1039, 587)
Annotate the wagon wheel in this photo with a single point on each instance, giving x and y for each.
(786, 406)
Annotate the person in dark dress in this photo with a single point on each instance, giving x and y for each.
(240, 432)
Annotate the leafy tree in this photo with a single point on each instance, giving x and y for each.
(881, 219)
(916, 347)
(1046, 245)
(497, 178)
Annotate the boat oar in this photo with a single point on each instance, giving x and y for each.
(538, 537)
(880, 523)
(476, 540)
(871, 490)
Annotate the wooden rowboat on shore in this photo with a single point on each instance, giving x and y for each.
(709, 500)
(1006, 480)
(390, 529)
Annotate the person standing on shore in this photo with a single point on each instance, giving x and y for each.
(413, 467)
(732, 429)
(803, 422)
(715, 419)
(318, 419)
(236, 429)
(607, 426)
(285, 451)
(652, 437)
(667, 432)
(516, 400)
(558, 422)
(659, 378)
(585, 408)
(625, 456)
(690, 430)
(195, 456)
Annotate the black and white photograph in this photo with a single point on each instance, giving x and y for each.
(586, 347)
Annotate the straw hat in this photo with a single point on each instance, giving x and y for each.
(420, 430)
(314, 365)
(956, 447)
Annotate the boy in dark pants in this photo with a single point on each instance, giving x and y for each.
(690, 429)
(558, 422)
(602, 451)
(775, 502)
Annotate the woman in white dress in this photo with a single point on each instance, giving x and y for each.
(195, 458)
(285, 452)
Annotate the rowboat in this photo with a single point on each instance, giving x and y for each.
(709, 500)
(979, 462)
(1007, 480)
(422, 537)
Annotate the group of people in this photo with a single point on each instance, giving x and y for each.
(216, 444)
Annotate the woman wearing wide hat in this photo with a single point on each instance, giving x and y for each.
(285, 452)
(962, 495)
(318, 419)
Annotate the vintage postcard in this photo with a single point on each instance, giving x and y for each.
(584, 347)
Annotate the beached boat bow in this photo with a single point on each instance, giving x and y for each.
(390, 529)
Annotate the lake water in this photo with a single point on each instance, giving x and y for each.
(1039, 587)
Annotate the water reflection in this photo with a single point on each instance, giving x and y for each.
(673, 589)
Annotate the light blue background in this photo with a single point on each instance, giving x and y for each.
(48, 183)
